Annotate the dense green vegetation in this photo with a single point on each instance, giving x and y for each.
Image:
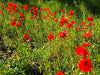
(38, 55)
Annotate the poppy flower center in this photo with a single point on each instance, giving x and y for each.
(85, 63)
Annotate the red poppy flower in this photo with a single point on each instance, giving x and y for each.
(54, 13)
(52, 18)
(35, 13)
(14, 6)
(70, 36)
(1, 22)
(62, 15)
(55, 42)
(62, 22)
(28, 31)
(69, 25)
(82, 28)
(7, 8)
(30, 10)
(55, 20)
(56, 35)
(10, 4)
(85, 65)
(61, 25)
(37, 16)
(49, 12)
(11, 16)
(82, 23)
(77, 28)
(25, 36)
(2, 6)
(13, 19)
(25, 7)
(86, 29)
(62, 18)
(69, 17)
(45, 17)
(89, 19)
(62, 10)
(61, 44)
(21, 15)
(73, 22)
(47, 9)
(86, 44)
(31, 18)
(28, 38)
(41, 15)
(17, 19)
(65, 31)
(23, 19)
(87, 35)
(50, 37)
(2, 14)
(65, 26)
(40, 9)
(33, 8)
(81, 51)
(90, 24)
(36, 9)
(34, 28)
(11, 13)
(91, 14)
(59, 73)
(94, 28)
(13, 23)
(62, 34)
(19, 24)
(71, 13)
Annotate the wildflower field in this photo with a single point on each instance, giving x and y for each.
(49, 37)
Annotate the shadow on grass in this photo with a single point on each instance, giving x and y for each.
(34, 70)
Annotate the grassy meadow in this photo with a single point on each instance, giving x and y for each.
(41, 37)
